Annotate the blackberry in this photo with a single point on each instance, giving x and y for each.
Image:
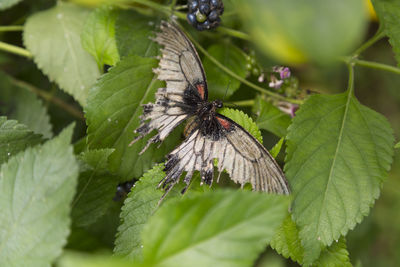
(205, 14)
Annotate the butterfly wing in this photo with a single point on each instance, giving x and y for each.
(181, 69)
(237, 151)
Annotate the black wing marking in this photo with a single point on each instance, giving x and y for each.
(238, 152)
(181, 69)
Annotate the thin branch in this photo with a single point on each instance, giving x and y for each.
(378, 35)
(376, 65)
(49, 97)
(15, 50)
(11, 28)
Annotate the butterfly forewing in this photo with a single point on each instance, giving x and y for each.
(209, 135)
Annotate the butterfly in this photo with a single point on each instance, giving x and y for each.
(210, 135)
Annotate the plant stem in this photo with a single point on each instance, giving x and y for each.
(376, 65)
(234, 33)
(378, 35)
(243, 103)
(350, 86)
(49, 97)
(11, 28)
(242, 80)
(15, 50)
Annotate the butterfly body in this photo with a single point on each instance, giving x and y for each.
(209, 135)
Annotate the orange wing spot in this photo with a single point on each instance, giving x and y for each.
(226, 124)
(200, 89)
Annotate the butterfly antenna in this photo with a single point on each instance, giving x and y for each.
(226, 91)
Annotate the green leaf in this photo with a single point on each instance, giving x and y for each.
(132, 32)
(287, 242)
(397, 145)
(220, 84)
(96, 188)
(338, 155)
(277, 148)
(113, 111)
(286, 30)
(20, 104)
(388, 12)
(75, 259)
(4, 4)
(98, 36)
(57, 50)
(271, 118)
(36, 189)
(243, 120)
(140, 204)
(220, 228)
(15, 137)
(335, 255)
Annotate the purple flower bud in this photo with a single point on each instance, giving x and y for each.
(288, 108)
(284, 73)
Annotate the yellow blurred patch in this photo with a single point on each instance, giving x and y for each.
(371, 10)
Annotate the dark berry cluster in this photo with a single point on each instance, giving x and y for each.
(204, 14)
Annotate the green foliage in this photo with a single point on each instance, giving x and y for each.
(113, 111)
(338, 151)
(132, 31)
(287, 31)
(37, 187)
(98, 36)
(4, 4)
(140, 204)
(15, 137)
(24, 106)
(388, 12)
(96, 187)
(196, 229)
(243, 120)
(270, 118)
(53, 38)
(335, 147)
(220, 83)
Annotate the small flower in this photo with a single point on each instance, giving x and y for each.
(288, 108)
(261, 78)
(275, 83)
(284, 73)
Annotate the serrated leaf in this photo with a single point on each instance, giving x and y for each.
(4, 4)
(388, 12)
(20, 104)
(286, 30)
(75, 259)
(113, 111)
(37, 187)
(220, 228)
(98, 36)
(53, 38)
(96, 188)
(220, 84)
(133, 31)
(138, 207)
(15, 137)
(270, 118)
(286, 241)
(335, 255)
(243, 120)
(338, 155)
(277, 148)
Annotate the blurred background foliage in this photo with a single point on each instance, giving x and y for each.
(376, 241)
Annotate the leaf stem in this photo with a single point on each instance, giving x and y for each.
(350, 86)
(242, 80)
(377, 36)
(11, 28)
(15, 50)
(243, 103)
(234, 33)
(376, 65)
(49, 97)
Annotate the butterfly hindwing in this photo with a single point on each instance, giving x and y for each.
(237, 152)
